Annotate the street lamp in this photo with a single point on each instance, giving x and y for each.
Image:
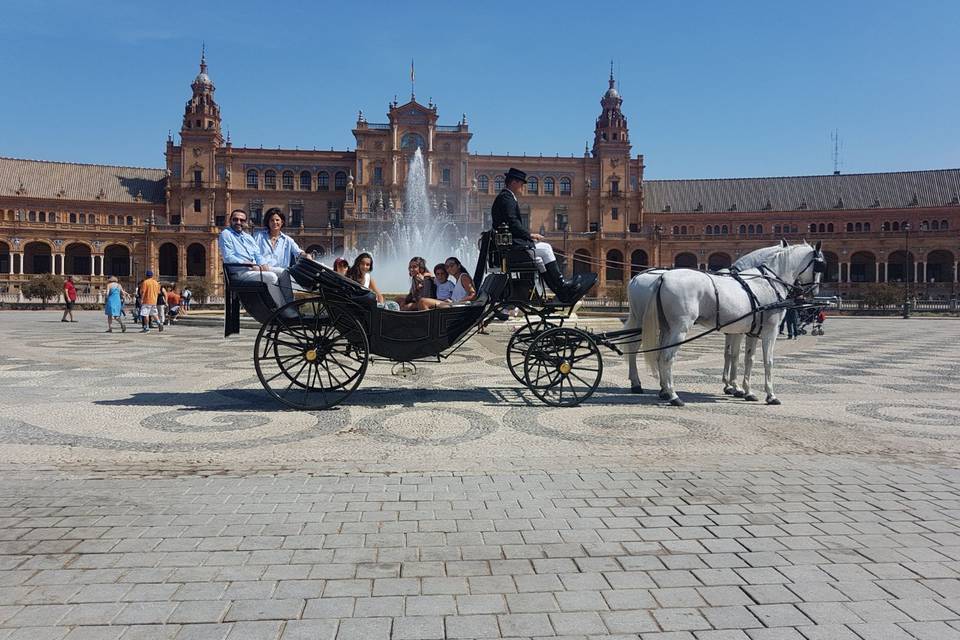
(906, 270)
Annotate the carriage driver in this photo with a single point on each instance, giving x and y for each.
(506, 210)
(238, 247)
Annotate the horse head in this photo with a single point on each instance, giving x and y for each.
(801, 265)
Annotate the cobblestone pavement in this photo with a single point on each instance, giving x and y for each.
(148, 489)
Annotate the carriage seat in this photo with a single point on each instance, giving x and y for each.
(251, 295)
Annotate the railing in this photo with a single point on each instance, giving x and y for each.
(378, 125)
(448, 128)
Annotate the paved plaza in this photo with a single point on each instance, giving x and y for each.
(150, 489)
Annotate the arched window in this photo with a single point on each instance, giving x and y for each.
(813, 227)
(129, 220)
(759, 228)
(858, 227)
(306, 181)
(850, 226)
(709, 230)
(935, 225)
(742, 229)
(944, 225)
(548, 185)
(110, 219)
(885, 226)
(829, 227)
(253, 179)
(896, 226)
(288, 180)
(866, 226)
(498, 184)
(483, 184)
(903, 224)
(533, 186)
(724, 230)
(565, 187)
(924, 225)
(683, 230)
(822, 228)
(323, 181)
(614, 266)
(340, 181)
(411, 141)
(270, 179)
(676, 230)
(751, 229)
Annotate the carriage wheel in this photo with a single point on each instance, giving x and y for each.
(520, 342)
(563, 366)
(310, 356)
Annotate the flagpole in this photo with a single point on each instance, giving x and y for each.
(412, 81)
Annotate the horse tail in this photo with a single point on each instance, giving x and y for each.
(651, 329)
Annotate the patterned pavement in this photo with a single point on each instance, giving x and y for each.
(150, 489)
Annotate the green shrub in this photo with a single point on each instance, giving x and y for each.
(882, 294)
(45, 287)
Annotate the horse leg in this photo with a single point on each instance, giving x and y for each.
(747, 394)
(736, 343)
(667, 357)
(727, 364)
(768, 341)
(630, 351)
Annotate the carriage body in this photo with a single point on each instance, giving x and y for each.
(313, 353)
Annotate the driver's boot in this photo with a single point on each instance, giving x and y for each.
(567, 290)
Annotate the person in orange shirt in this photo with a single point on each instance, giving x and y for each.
(173, 305)
(149, 292)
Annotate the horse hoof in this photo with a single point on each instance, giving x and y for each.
(773, 401)
(750, 397)
(738, 393)
(728, 391)
(636, 389)
(677, 402)
(663, 395)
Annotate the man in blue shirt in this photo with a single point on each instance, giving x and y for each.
(239, 250)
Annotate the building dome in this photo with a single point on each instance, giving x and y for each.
(612, 93)
(203, 78)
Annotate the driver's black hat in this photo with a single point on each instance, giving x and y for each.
(515, 174)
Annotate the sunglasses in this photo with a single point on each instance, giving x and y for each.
(238, 219)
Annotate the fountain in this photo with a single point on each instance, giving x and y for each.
(416, 230)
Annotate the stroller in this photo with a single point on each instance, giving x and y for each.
(818, 323)
(806, 318)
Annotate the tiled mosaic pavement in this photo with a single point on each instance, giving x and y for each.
(148, 489)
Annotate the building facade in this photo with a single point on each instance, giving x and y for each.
(597, 210)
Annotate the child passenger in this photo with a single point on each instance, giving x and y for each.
(444, 284)
(421, 284)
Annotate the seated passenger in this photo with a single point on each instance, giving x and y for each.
(421, 285)
(463, 289)
(341, 266)
(360, 272)
(444, 284)
(239, 248)
(278, 249)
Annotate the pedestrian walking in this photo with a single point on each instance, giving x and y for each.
(162, 305)
(185, 296)
(149, 293)
(113, 306)
(69, 299)
(793, 324)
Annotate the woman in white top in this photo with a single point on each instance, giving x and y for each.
(463, 289)
(278, 250)
(360, 272)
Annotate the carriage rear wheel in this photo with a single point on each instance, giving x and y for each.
(520, 342)
(563, 366)
(310, 356)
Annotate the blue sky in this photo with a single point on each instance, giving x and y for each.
(711, 89)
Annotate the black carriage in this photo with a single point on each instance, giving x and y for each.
(313, 353)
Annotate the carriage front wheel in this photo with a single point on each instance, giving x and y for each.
(311, 356)
(563, 366)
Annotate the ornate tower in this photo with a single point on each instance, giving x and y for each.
(610, 133)
(196, 159)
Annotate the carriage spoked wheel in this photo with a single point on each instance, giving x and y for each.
(520, 342)
(563, 366)
(310, 356)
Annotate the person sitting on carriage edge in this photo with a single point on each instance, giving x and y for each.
(240, 248)
(506, 210)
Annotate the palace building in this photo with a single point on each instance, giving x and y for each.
(597, 210)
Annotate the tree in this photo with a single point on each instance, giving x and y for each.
(617, 292)
(44, 286)
(882, 294)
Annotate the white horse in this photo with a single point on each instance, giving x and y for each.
(685, 298)
(640, 292)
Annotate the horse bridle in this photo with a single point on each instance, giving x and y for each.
(796, 290)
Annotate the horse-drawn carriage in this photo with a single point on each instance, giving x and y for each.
(313, 352)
